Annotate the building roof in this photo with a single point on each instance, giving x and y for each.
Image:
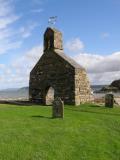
(68, 59)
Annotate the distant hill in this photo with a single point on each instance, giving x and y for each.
(97, 88)
(113, 87)
(14, 93)
(116, 84)
(23, 93)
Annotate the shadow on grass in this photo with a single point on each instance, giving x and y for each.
(95, 106)
(16, 103)
(45, 117)
(38, 116)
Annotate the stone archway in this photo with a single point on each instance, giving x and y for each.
(49, 97)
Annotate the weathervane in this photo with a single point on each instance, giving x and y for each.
(52, 20)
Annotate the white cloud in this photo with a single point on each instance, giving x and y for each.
(4, 8)
(29, 59)
(7, 46)
(74, 45)
(16, 74)
(2, 65)
(101, 69)
(88, 60)
(7, 15)
(7, 31)
(7, 18)
(104, 78)
(26, 31)
(5, 21)
(105, 35)
(95, 63)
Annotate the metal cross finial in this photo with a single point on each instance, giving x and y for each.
(52, 20)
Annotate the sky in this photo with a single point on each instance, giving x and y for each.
(91, 36)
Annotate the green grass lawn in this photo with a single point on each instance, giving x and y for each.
(87, 132)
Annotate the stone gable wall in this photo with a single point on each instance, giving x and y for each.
(52, 71)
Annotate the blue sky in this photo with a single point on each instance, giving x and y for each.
(90, 32)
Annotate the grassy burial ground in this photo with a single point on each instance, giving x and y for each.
(87, 132)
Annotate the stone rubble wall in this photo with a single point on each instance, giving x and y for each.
(82, 87)
(52, 71)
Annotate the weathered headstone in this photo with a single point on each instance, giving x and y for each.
(58, 108)
(109, 100)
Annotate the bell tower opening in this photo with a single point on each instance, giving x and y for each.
(52, 39)
(49, 41)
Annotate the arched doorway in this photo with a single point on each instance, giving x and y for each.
(49, 98)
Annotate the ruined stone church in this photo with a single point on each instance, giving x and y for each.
(57, 75)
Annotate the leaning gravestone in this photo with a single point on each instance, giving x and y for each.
(58, 108)
(109, 100)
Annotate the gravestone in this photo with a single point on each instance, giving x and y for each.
(58, 108)
(109, 100)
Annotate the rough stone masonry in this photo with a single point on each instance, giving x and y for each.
(58, 71)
